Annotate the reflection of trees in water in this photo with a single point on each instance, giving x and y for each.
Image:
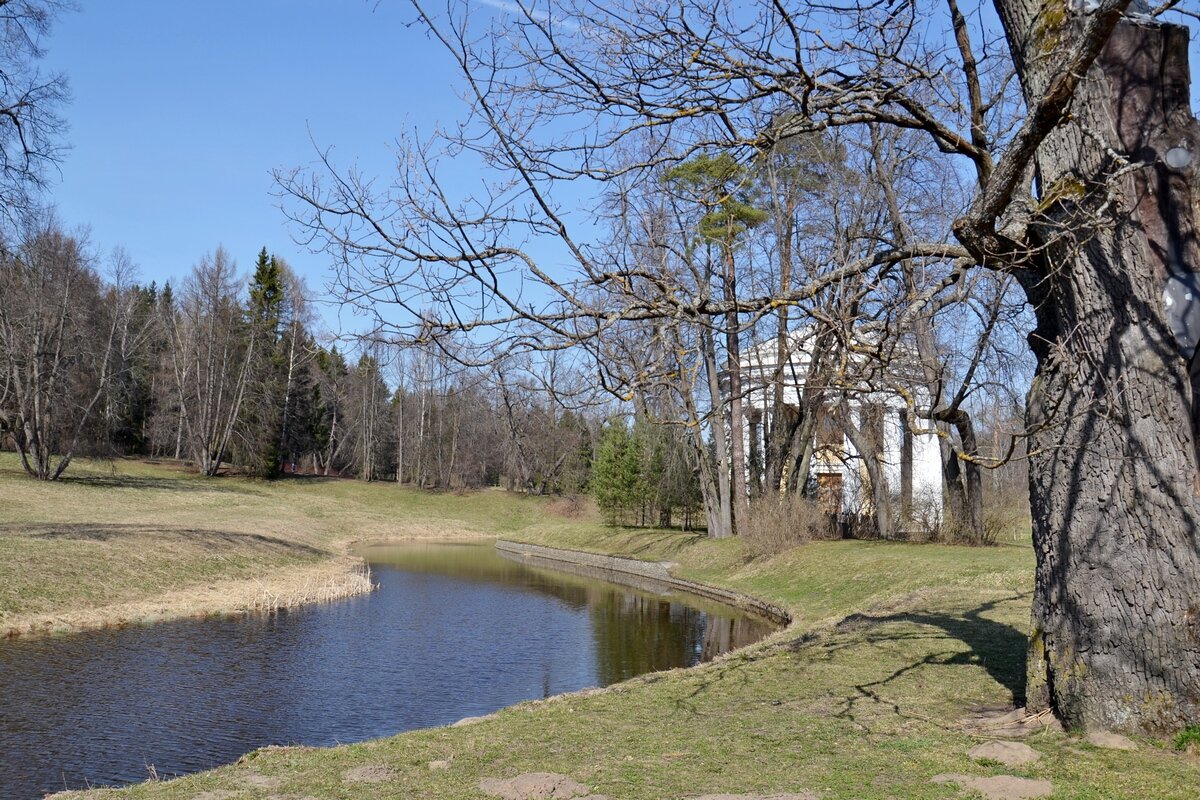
(637, 633)
(481, 564)
(723, 634)
(634, 632)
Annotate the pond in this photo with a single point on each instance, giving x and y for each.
(453, 630)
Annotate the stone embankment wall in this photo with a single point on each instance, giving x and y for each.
(650, 576)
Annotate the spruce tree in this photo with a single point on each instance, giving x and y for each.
(618, 483)
(259, 443)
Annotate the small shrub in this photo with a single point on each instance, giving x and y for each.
(570, 506)
(927, 521)
(1006, 518)
(775, 524)
(1188, 738)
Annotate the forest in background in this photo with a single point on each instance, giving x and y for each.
(225, 370)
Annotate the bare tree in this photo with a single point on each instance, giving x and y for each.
(56, 346)
(333, 389)
(211, 355)
(542, 405)
(366, 417)
(125, 406)
(30, 128)
(296, 353)
(1085, 199)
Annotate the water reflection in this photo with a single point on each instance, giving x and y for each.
(453, 631)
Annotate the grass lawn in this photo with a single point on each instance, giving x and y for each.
(126, 541)
(868, 695)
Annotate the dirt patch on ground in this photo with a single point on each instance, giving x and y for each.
(1010, 754)
(1111, 741)
(537, 786)
(999, 787)
(573, 506)
(1008, 723)
(465, 721)
(369, 773)
(259, 781)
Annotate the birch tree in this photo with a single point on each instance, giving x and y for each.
(56, 346)
(211, 354)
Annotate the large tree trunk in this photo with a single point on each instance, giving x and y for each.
(737, 416)
(717, 490)
(963, 476)
(973, 475)
(868, 450)
(804, 446)
(1116, 614)
(782, 423)
(952, 482)
(756, 455)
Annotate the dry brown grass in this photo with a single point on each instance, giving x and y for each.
(283, 587)
(775, 524)
(124, 542)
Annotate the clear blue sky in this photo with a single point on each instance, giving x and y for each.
(181, 110)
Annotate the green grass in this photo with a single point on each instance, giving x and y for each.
(819, 582)
(128, 532)
(1187, 738)
(865, 697)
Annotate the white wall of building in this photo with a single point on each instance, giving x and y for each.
(760, 365)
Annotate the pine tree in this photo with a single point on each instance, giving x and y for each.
(266, 294)
(618, 484)
(328, 420)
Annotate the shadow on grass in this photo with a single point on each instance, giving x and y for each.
(208, 539)
(639, 541)
(141, 482)
(997, 647)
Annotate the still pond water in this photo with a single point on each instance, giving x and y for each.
(453, 630)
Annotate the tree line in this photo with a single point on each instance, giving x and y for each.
(225, 371)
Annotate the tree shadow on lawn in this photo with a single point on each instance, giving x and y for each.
(208, 539)
(144, 482)
(996, 646)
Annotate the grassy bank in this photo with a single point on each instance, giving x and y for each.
(875, 690)
(128, 542)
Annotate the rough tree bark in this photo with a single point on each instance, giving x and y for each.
(737, 414)
(968, 495)
(1116, 619)
(867, 446)
(718, 494)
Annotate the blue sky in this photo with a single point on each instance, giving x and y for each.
(180, 112)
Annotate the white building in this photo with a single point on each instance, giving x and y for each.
(911, 462)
